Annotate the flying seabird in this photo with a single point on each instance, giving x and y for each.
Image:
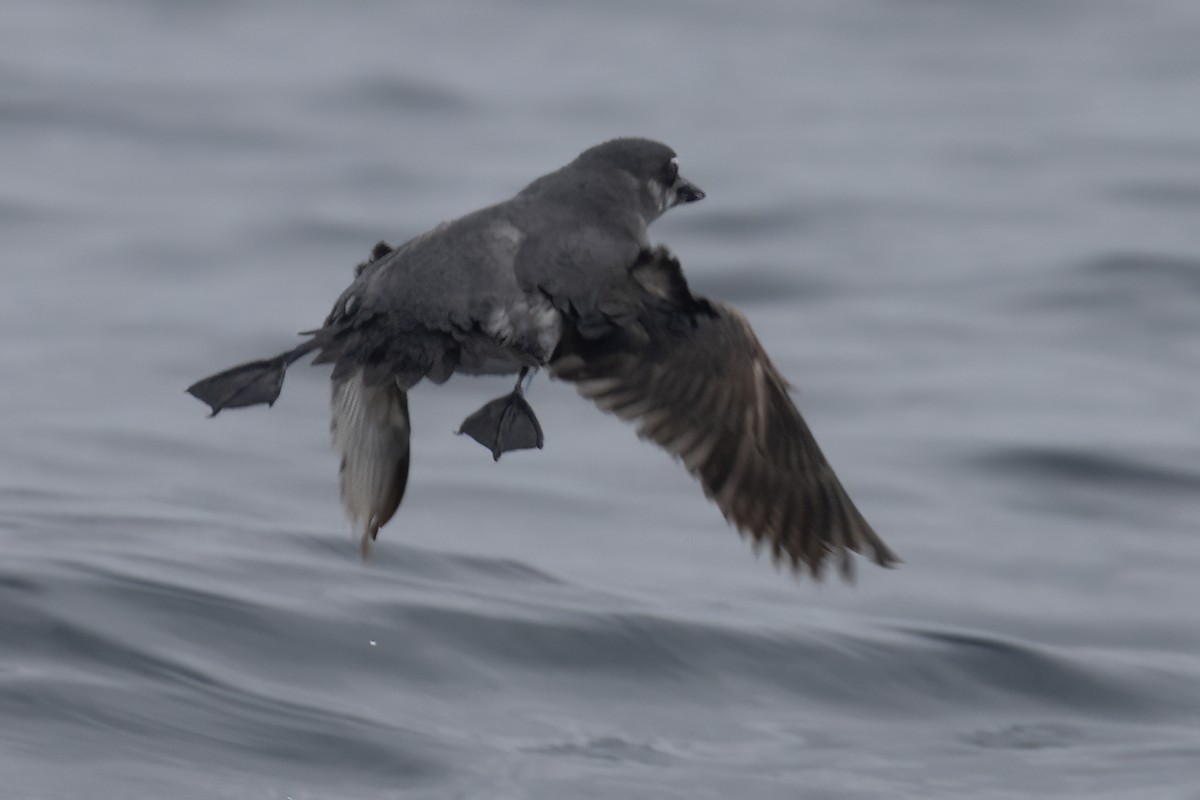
(562, 276)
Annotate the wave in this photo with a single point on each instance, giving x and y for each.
(155, 656)
(1093, 468)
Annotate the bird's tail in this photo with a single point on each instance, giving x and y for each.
(370, 429)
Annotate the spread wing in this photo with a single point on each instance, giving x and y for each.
(695, 379)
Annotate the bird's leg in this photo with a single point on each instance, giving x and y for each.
(506, 423)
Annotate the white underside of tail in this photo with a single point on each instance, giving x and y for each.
(370, 430)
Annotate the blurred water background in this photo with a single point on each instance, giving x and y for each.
(967, 231)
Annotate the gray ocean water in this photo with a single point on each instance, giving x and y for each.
(968, 231)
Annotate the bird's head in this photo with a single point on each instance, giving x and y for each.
(648, 168)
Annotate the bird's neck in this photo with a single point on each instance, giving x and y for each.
(608, 201)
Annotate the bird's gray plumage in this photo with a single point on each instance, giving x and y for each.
(433, 306)
(562, 276)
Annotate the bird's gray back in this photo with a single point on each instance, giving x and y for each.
(461, 293)
(445, 278)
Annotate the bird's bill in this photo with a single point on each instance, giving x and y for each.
(687, 192)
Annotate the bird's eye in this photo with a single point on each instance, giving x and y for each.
(671, 171)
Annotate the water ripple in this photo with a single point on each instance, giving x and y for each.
(1092, 468)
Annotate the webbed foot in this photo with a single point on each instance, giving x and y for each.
(506, 423)
(243, 385)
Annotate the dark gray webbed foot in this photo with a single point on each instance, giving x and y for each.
(504, 424)
(243, 385)
(251, 383)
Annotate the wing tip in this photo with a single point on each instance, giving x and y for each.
(814, 564)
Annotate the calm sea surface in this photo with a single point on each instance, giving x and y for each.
(969, 232)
